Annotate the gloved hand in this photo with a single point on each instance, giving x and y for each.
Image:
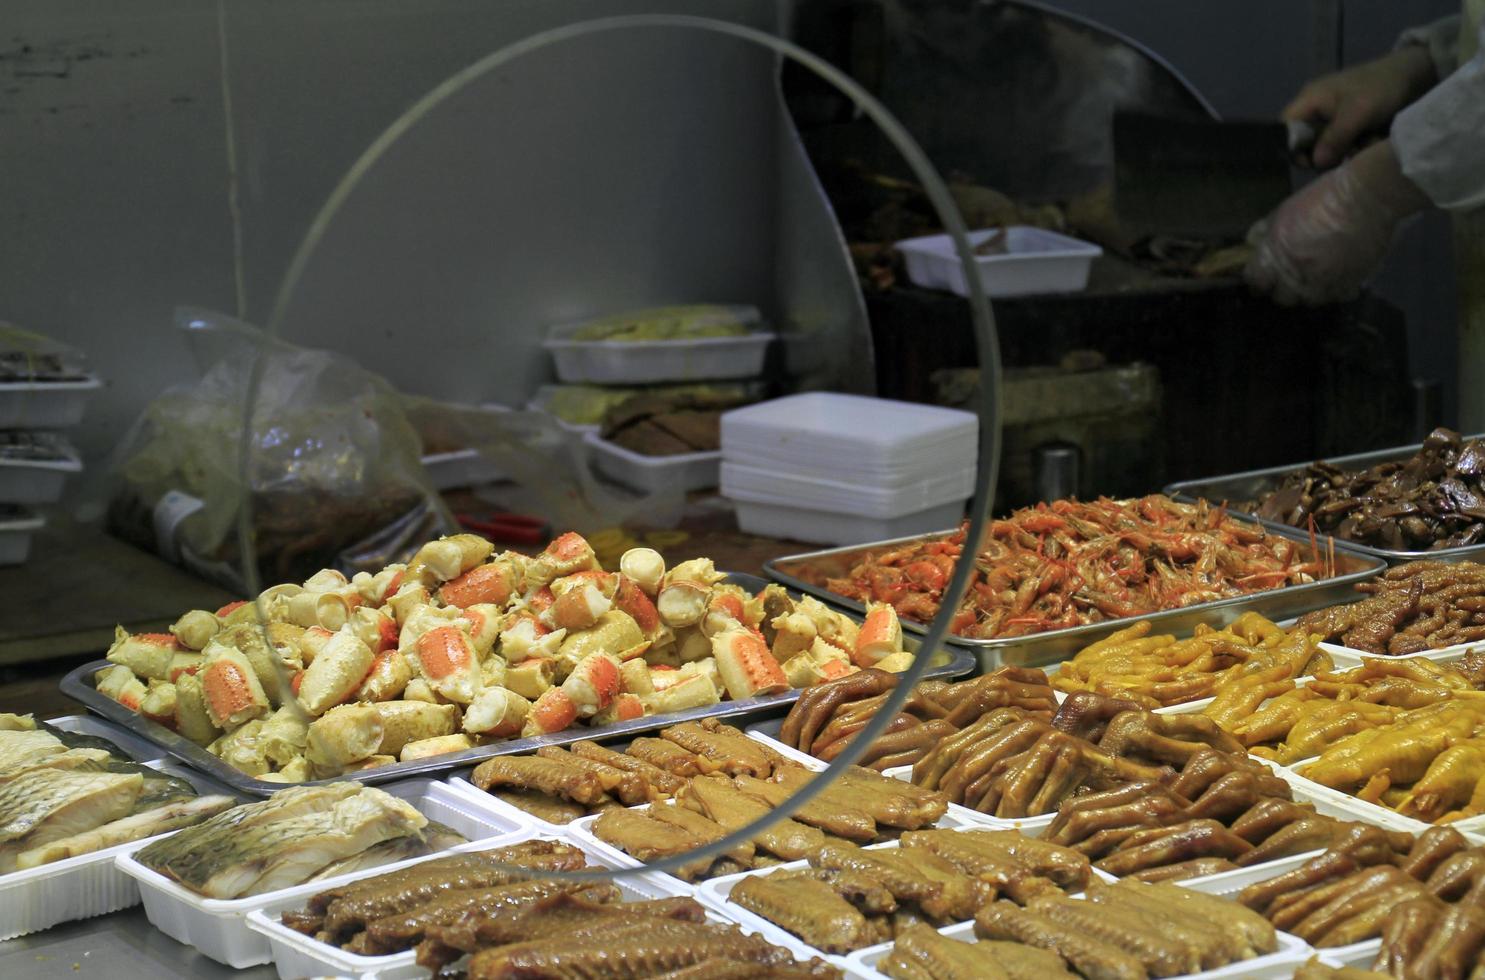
(1348, 104)
(1321, 244)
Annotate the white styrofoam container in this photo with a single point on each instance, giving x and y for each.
(45, 404)
(772, 520)
(81, 887)
(15, 536)
(1035, 261)
(1279, 965)
(851, 438)
(1345, 658)
(35, 481)
(638, 362)
(218, 927)
(774, 486)
(297, 955)
(1336, 803)
(653, 474)
(462, 784)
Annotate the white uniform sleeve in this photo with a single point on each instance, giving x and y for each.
(1440, 139)
(1441, 38)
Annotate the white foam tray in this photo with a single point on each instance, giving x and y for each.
(785, 488)
(653, 474)
(773, 520)
(296, 955)
(218, 927)
(714, 894)
(45, 404)
(35, 481)
(1280, 964)
(851, 438)
(15, 537)
(1229, 883)
(1035, 261)
(638, 362)
(81, 887)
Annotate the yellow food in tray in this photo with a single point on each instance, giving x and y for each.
(461, 647)
(1158, 671)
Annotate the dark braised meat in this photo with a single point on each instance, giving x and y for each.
(1433, 499)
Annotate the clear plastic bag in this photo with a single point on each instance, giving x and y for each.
(28, 356)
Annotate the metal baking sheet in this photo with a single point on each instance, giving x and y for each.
(1255, 483)
(806, 572)
(949, 662)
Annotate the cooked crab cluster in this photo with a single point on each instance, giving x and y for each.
(461, 646)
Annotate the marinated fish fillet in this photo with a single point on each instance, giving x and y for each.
(46, 805)
(89, 760)
(22, 746)
(390, 852)
(280, 842)
(137, 826)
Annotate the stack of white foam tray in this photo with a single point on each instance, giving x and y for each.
(843, 469)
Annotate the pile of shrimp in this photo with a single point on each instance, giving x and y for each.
(1070, 563)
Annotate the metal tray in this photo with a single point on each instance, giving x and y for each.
(949, 662)
(1054, 646)
(1255, 483)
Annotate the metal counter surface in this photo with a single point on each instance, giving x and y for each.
(119, 946)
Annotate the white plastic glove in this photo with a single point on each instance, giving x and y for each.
(1326, 240)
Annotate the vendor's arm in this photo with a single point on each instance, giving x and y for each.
(1440, 139)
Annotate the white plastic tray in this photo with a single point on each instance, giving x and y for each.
(631, 362)
(1280, 964)
(81, 887)
(35, 481)
(653, 474)
(297, 955)
(15, 536)
(1336, 803)
(218, 927)
(1035, 261)
(45, 404)
(1345, 658)
(773, 520)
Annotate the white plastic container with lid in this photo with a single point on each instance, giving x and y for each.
(34, 466)
(774, 520)
(655, 361)
(1033, 260)
(851, 438)
(16, 527)
(218, 927)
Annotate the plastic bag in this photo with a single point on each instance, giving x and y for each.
(332, 467)
(335, 474)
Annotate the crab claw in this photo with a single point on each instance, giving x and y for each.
(496, 713)
(337, 671)
(681, 604)
(552, 712)
(578, 608)
(593, 683)
(626, 707)
(492, 583)
(746, 665)
(630, 598)
(644, 567)
(446, 658)
(568, 553)
(880, 635)
(118, 682)
(448, 558)
(724, 611)
(485, 622)
(230, 685)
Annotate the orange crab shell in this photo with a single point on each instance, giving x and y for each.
(541, 600)
(552, 712)
(835, 669)
(747, 666)
(880, 634)
(571, 552)
(233, 694)
(230, 608)
(492, 583)
(387, 678)
(626, 707)
(579, 608)
(444, 652)
(631, 599)
(593, 683)
(485, 624)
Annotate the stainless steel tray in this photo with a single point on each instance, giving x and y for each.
(949, 662)
(804, 571)
(1255, 483)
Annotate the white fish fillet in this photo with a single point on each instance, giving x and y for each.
(132, 828)
(89, 759)
(48, 804)
(17, 747)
